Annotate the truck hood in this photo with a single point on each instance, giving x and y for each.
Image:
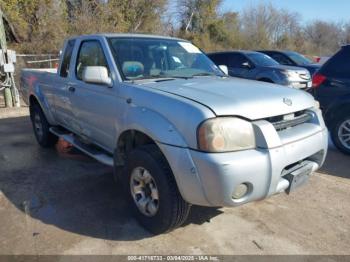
(233, 96)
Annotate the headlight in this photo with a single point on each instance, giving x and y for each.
(226, 134)
(288, 74)
(317, 104)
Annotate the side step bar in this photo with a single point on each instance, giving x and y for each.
(98, 154)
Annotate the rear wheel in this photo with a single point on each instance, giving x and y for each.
(340, 132)
(152, 191)
(41, 127)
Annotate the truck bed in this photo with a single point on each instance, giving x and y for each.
(31, 77)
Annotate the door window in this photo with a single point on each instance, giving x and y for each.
(90, 54)
(66, 58)
(237, 60)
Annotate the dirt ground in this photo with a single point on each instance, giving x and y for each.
(54, 203)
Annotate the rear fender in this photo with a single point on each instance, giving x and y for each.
(40, 99)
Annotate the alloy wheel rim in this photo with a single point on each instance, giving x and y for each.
(344, 134)
(144, 191)
(38, 125)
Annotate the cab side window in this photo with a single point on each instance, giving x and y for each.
(237, 60)
(281, 59)
(66, 58)
(219, 59)
(90, 54)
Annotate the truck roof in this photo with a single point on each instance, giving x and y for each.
(108, 35)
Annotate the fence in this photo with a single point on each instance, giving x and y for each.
(37, 60)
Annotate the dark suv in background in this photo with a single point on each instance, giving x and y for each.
(331, 87)
(291, 58)
(257, 66)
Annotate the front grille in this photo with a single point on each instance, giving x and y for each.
(291, 120)
(305, 76)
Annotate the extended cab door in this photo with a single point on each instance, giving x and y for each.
(94, 106)
(62, 95)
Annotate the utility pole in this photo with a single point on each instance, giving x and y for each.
(7, 80)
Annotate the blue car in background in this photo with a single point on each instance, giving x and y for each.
(291, 58)
(257, 66)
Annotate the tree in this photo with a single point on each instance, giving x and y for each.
(346, 35)
(117, 16)
(201, 23)
(324, 38)
(265, 26)
(40, 24)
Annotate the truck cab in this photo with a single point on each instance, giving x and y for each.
(176, 129)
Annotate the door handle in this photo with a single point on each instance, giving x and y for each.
(71, 89)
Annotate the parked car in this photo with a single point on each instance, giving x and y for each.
(175, 128)
(291, 58)
(331, 87)
(258, 66)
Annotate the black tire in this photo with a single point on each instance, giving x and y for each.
(172, 210)
(44, 137)
(334, 129)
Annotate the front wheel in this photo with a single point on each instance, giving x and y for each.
(41, 127)
(152, 191)
(340, 132)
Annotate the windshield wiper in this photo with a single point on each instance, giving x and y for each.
(158, 78)
(204, 74)
(182, 77)
(173, 77)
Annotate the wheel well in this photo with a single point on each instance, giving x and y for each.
(32, 101)
(264, 79)
(336, 112)
(129, 140)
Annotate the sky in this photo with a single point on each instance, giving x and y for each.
(328, 10)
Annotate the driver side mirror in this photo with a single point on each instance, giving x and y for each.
(224, 69)
(246, 65)
(96, 75)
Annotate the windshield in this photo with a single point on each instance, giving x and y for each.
(299, 59)
(147, 58)
(262, 60)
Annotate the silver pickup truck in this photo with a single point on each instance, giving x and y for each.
(176, 129)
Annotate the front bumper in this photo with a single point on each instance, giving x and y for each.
(209, 179)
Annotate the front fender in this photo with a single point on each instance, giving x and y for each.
(174, 148)
(154, 125)
(272, 76)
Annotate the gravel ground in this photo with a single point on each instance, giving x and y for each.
(56, 203)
